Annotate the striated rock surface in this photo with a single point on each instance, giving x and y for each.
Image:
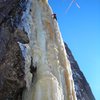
(12, 62)
(82, 87)
(6, 6)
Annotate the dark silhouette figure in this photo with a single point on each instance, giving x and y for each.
(54, 16)
(33, 69)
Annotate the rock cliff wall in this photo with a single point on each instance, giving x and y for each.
(11, 60)
(82, 87)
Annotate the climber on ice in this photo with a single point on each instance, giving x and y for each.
(54, 16)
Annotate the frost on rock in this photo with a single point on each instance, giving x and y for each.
(53, 78)
(26, 50)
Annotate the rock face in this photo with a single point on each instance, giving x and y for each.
(11, 60)
(6, 6)
(82, 87)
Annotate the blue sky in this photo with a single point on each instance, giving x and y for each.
(80, 29)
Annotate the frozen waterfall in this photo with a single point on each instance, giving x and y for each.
(53, 78)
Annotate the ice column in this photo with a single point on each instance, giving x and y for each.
(53, 79)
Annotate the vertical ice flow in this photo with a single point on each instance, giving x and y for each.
(53, 79)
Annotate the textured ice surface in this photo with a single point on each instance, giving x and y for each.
(53, 79)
